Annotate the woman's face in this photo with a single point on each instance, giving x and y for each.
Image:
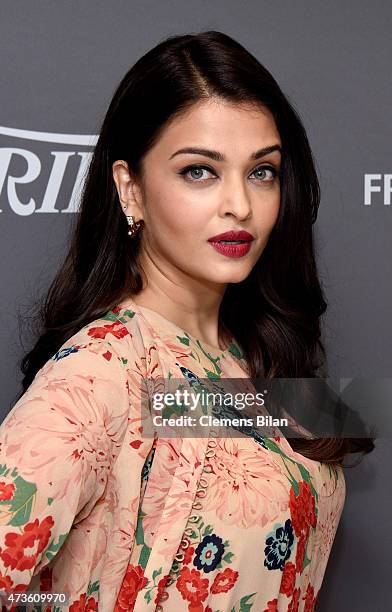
(189, 197)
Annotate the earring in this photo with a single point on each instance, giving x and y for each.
(134, 227)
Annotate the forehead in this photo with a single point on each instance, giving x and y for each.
(221, 124)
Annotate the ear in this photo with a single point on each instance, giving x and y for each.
(128, 189)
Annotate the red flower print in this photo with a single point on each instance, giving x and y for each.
(302, 509)
(136, 444)
(198, 608)
(161, 586)
(134, 581)
(101, 331)
(224, 581)
(191, 586)
(7, 587)
(78, 605)
(91, 605)
(288, 579)
(13, 556)
(5, 583)
(188, 554)
(46, 580)
(294, 603)
(272, 606)
(6, 490)
(300, 554)
(310, 599)
(81, 605)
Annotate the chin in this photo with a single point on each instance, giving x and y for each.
(231, 277)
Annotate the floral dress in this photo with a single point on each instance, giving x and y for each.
(116, 520)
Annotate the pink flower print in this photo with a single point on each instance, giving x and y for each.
(246, 488)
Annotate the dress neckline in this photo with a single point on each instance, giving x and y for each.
(155, 316)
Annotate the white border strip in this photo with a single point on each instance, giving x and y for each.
(72, 139)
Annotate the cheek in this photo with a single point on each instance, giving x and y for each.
(268, 212)
(173, 209)
(274, 214)
(274, 206)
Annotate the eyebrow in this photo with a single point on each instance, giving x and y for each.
(216, 156)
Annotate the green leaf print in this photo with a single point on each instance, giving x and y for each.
(126, 315)
(92, 588)
(150, 587)
(214, 360)
(113, 316)
(211, 375)
(129, 313)
(4, 471)
(209, 529)
(176, 409)
(183, 340)
(304, 473)
(306, 476)
(234, 350)
(306, 562)
(243, 605)
(271, 445)
(21, 503)
(110, 316)
(144, 556)
(54, 548)
(139, 534)
(139, 528)
(306, 558)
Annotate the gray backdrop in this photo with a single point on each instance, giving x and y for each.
(60, 63)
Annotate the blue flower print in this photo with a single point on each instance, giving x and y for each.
(278, 546)
(64, 352)
(209, 552)
(230, 412)
(193, 379)
(147, 465)
(223, 410)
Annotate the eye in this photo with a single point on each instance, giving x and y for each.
(262, 172)
(196, 171)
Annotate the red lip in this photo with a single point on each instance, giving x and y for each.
(232, 235)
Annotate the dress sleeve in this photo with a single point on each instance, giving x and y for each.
(57, 446)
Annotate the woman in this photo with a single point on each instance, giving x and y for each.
(198, 141)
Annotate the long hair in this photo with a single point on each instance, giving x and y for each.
(274, 314)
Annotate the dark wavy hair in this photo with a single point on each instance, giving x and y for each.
(274, 314)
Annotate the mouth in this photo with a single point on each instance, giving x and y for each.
(232, 237)
(231, 248)
(230, 241)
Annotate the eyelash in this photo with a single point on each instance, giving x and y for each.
(187, 169)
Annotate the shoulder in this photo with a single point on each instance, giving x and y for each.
(107, 345)
(98, 371)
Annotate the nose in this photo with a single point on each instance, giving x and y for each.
(235, 199)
